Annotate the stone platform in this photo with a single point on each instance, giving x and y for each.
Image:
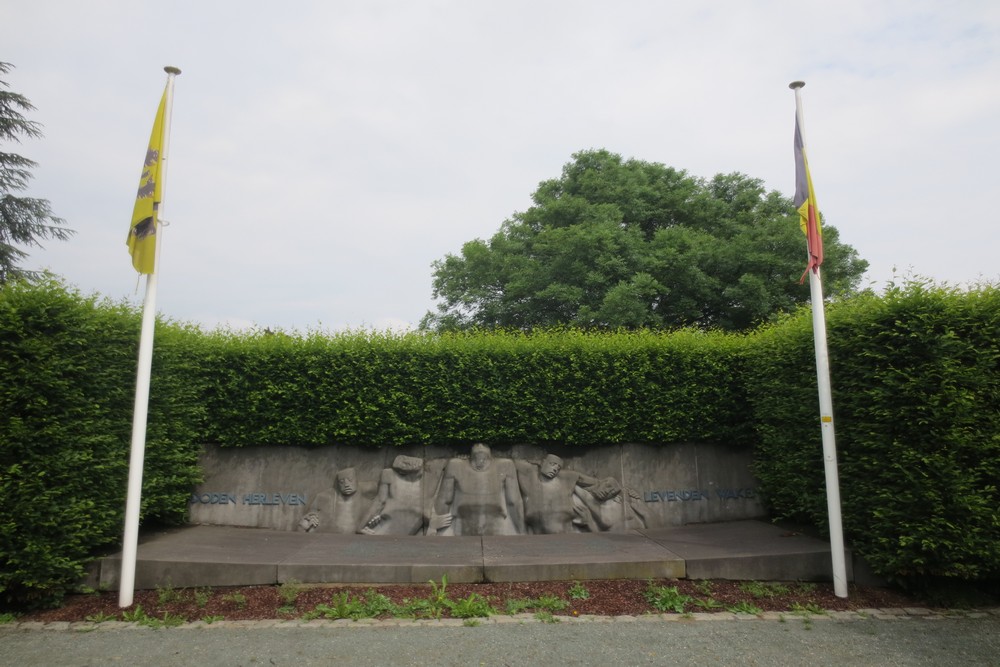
(229, 556)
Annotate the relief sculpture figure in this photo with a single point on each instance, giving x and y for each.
(609, 507)
(548, 493)
(398, 507)
(480, 496)
(340, 509)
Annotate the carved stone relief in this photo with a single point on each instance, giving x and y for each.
(478, 495)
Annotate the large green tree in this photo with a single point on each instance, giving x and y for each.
(618, 243)
(24, 221)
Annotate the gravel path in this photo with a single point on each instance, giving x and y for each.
(902, 637)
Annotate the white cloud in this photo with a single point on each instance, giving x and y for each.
(325, 153)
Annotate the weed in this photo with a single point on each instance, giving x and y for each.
(807, 609)
(708, 603)
(342, 605)
(211, 618)
(763, 589)
(471, 622)
(438, 600)
(238, 599)
(666, 598)
(414, 608)
(202, 596)
(377, 604)
(137, 615)
(140, 617)
(289, 592)
(745, 607)
(101, 617)
(439, 593)
(548, 603)
(704, 587)
(170, 620)
(473, 606)
(287, 610)
(578, 591)
(519, 605)
(546, 617)
(551, 603)
(167, 594)
(7, 617)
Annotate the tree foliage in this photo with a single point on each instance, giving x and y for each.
(618, 243)
(24, 221)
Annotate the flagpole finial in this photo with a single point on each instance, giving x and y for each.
(170, 69)
(796, 84)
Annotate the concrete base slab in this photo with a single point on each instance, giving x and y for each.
(576, 557)
(205, 555)
(228, 556)
(374, 558)
(749, 550)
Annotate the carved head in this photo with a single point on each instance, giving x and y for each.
(550, 466)
(481, 456)
(607, 489)
(347, 481)
(407, 465)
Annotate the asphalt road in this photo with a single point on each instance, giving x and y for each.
(936, 640)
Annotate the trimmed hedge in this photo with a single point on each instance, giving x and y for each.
(916, 379)
(562, 387)
(68, 366)
(916, 391)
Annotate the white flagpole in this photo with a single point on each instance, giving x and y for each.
(825, 404)
(130, 541)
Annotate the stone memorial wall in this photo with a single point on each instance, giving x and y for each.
(476, 491)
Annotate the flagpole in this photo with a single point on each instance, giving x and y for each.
(825, 404)
(133, 501)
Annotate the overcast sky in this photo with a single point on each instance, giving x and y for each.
(324, 154)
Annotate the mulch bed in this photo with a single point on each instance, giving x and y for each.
(604, 597)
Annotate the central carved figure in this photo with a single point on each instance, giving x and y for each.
(548, 493)
(481, 495)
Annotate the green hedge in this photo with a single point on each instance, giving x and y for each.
(916, 400)
(383, 389)
(916, 390)
(68, 367)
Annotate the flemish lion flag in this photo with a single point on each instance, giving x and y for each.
(805, 203)
(142, 232)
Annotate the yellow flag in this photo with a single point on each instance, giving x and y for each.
(145, 223)
(805, 204)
